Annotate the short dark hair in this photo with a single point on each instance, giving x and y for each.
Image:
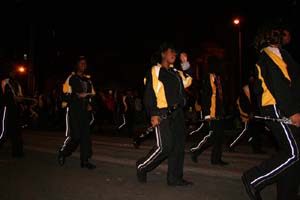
(165, 46)
(156, 57)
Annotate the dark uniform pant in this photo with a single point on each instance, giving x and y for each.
(214, 138)
(253, 130)
(10, 127)
(170, 140)
(283, 168)
(77, 133)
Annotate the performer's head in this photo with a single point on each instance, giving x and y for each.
(81, 65)
(214, 65)
(286, 37)
(268, 35)
(166, 55)
(183, 57)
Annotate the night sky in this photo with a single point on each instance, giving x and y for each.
(119, 39)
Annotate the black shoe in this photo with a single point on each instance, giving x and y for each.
(141, 176)
(194, 157)
(220, 162)
(251, 191)
(87, 165)
(183, 183)
(61, 159)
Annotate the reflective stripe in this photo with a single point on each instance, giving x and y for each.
(202, 142)
(3, 122)
(286, 164)
(198, 129)
(156, 152)
(240, 135)
(124, 121)
(93, 119)
(67, 130)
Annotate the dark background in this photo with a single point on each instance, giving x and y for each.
(119, 38)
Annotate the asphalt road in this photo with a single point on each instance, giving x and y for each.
(37, 176)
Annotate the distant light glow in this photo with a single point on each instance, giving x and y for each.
(236, 21)
(21, 69)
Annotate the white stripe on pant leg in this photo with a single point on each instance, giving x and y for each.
(156, 152)
(67, 122)
(198, 129)
(286, 164)
(67, 130)
(240, 135)
(124, 121)
(65, 143)
(3, 122)
(93, 118)
(202, 142)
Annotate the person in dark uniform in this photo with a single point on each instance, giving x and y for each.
(78, 100)
(10, 113)
(277, 95)
(164, 99)
(212, 103)
(128, 114)
(247, 107)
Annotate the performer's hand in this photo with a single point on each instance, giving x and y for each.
(155, 120)
(82, 95)
(89, 108)
(208, 118)
(295, 118)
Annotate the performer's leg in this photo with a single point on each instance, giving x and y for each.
(218, 128)
(158, 153)
(176, 156)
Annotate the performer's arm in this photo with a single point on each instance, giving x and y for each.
(150, 98)
(209, 97)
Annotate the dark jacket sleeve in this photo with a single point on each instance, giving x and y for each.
(280, 88)
(206, 94)
(245, 104)
(150, 97)
(8, 97)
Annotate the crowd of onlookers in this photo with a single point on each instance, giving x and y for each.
(46, 112)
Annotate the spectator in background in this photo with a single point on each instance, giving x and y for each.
(110, 105)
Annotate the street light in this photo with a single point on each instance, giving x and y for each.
(21, 69)
(237, 22)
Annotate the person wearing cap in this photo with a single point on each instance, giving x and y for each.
(78, 96)
(164, 99)
(10, 112)
(276, 93)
